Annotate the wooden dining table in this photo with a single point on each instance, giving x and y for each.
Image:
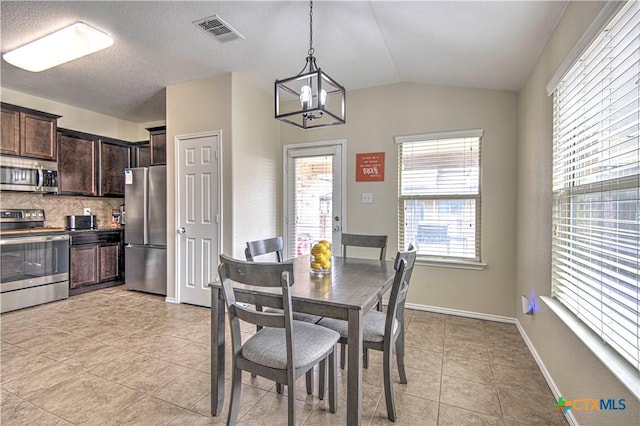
(353, 287)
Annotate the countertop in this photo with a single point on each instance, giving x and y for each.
(48, 231)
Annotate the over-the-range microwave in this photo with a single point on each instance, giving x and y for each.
(30, 175)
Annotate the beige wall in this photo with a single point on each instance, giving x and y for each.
(256, 166)
(575, 370)
(374, 117)
(195, 107)
(80, 119)
(250, 152)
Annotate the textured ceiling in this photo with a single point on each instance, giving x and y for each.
(480, 44)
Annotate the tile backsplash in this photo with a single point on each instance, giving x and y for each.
(56, 207)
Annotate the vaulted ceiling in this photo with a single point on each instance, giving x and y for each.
(480, 44)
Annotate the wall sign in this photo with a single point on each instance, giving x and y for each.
(370, 167)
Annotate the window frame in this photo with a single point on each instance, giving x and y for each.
(437, 259)
(625, 370)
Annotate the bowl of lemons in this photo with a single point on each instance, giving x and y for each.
(321, 258)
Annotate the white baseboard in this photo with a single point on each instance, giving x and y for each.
(459, 313)
(545, 373)
(547, 376)
(170, 300)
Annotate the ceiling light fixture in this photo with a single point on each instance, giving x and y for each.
(311, 98)
(62, 46)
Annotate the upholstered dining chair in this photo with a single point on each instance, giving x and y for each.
(384, 331)
(283, 349)
(262, 247)
(275, 246)
(369, 241)
(363, 240)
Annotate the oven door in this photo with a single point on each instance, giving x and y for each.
(33, 261)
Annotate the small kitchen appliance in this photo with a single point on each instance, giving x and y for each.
(28, 175)
(81, 222)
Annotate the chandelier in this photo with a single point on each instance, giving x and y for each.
(311, 98)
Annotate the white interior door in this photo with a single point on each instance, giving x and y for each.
(198, 217)
(313, 195)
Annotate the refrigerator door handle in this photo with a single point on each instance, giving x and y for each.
(145, 202)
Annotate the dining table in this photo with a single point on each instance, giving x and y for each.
(351, 288)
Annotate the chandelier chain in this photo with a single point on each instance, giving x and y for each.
(311, 51)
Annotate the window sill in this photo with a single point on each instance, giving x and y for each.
(620, 368)
(450, 263)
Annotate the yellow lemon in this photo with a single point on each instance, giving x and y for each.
(326, 264)
(316, 265)
(320, 258)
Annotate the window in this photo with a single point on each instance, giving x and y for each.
(596, 181)
(439, 194)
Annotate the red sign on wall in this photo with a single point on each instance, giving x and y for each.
(370, 167)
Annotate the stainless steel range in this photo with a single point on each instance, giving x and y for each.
(34, 260)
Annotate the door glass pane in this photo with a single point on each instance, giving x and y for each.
(313, 202)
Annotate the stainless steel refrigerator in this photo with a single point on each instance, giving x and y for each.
(145, 232)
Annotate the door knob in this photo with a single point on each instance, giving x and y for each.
(181, 230)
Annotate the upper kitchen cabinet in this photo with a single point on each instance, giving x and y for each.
(142, 155)
(114, 157)
(158, 142)
(91, 165)
(28, 133)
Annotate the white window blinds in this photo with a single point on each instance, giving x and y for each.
(596, 181)
(439, 194)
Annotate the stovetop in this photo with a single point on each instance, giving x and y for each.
(30, 231)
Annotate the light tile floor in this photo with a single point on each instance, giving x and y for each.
(114, 357)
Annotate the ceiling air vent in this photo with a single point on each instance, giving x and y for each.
(218, 28)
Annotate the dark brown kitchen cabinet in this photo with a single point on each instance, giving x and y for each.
(28, 133)
(158, 142)
(96, 260)
(76, 164)
(10, 135)
(84, 265)
(109, 261)
(91, 165)
(143, 155)
(113, 159)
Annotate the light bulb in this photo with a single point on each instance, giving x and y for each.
(305, 97)
(323, 97)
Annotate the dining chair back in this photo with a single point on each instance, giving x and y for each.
(382, 331)
(362, 240)
(262, 247)
(275, 245)
(283, 349)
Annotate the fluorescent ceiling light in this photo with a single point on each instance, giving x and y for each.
(64, 45)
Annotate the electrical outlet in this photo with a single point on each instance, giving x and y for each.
(87, 211)
(367, 197)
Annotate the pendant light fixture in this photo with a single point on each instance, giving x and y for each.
(311, 98)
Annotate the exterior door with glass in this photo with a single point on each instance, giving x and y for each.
(313, 195)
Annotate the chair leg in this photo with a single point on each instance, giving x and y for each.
(309, 380)
(279, 388)
(400, 359)
(343, 355)
(387, 367)
(236, 387)
(333, 383)
(379, 305)
(365, 358)
(322, 379)
(291, 401)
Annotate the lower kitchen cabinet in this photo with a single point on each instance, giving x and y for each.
(96, 260)
(84, 265)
